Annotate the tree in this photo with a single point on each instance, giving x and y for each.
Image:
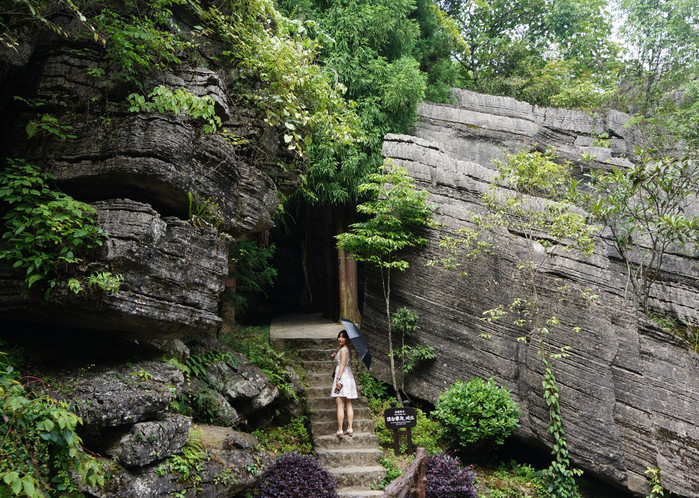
(664, 42)
(547, 53)
(389, 55)
(396, 212)
(405, 322)
(648, 211)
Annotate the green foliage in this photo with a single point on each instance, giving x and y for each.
(560, 476)
(513, 480)
(478, 410)
(413, 355)
(536, 174)
(426, 434)
(396, 211)
(178, 101)
(253, 343)
(289, 438)
(49, 125)
(656, 488)
(204, 214)
(141, 40)
(547, 53)
(38, 442)
(388, 54)
(276, 57)
(47, 233)
(189, 463)
(197, 364)
(646, 207)
(252, 270)
(677, 327)
(392, 471)
(372, 387)
(404, 321)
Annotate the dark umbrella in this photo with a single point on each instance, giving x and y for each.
(358, 341)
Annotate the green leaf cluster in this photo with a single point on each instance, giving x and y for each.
(188, 464)
(396, 211)
(40, 449)
(288, 438)
(388, 55)
(253, 343)
(178, 101)
(560, 476)
(647, 207)
(475, 411)
(47, 233)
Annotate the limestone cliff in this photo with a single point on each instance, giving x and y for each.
(145, 173)
(629, 391)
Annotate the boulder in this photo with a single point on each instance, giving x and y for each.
(173, 275)
(242, 387)
(105, 397)
(628, 390)
(148, 442)
(220, 469)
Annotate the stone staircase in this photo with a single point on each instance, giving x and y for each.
(354, 461)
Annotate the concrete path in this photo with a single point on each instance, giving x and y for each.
(355, 461)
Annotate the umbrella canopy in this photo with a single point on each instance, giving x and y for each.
(358, 341)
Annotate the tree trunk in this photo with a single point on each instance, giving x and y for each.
(347, 279)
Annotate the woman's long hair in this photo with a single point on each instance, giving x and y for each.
(343, 333)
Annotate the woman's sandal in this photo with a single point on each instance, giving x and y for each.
(338, 433)
(349, 432)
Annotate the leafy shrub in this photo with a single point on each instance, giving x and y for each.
(40, 450)
(372, 388)
(293, 436)
(478, 410)
(295, 475)
(511, 479)
(47, 233)
(253, 343)
(392, 471)
(425, 434)
(446, 478)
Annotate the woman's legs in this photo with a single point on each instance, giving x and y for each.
(340, 413)
(350, 413)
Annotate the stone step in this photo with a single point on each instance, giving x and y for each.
(323, 391)
(319, 368)
(330, 427)
(358, 492)
(329, 414)
(328, 403)
(315, 354)
(299, 344)
(360, 476)
(348, 456)
(359, 440)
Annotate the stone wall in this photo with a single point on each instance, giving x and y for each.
(629, 391)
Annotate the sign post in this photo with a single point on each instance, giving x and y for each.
(398, 419)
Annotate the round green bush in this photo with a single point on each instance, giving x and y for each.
(476, 411)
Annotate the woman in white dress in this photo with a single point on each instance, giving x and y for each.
(344, 389)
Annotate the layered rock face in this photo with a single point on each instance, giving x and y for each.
(629, 391)
(145, 173)
(171, 199)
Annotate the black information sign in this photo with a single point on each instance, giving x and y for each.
(400, 418)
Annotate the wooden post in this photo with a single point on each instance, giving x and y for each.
(414, 477)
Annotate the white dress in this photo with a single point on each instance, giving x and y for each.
(349, 387)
